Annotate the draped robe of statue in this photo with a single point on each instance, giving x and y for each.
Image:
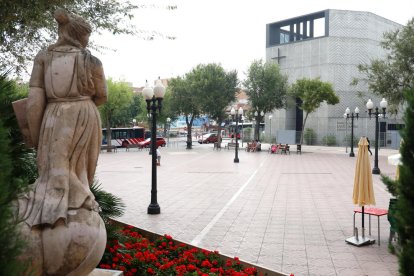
(60, 213)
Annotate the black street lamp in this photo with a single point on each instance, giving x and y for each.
(346, 132)
(347, 112)
(154, 97)
(236, 117)
(377, 113)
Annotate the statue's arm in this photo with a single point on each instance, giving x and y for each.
(36, 102)
(99, 81)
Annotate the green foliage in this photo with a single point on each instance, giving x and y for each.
(110, 205)
(405, 190)
(312, 92)
(26, 28)
(390, 76)
(24, 160)
(17, 169)
(266, 87)
(309, 136)
(114, 111)
(10, 245)
(390, 184)
(184, 101)
(329, 140)
(347, 140)
(216, 89)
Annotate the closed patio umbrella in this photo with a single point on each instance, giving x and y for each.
(363, 189)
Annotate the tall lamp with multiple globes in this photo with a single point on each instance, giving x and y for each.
(352, 116)
(236, 117)
(154, 98)
(377, 113)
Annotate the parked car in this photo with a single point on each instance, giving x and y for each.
(160, 142)
(208, 138)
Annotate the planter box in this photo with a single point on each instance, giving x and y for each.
(151, 236)
(105, 272)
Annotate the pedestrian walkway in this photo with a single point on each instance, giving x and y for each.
(290, 213)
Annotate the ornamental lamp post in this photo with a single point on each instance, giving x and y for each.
(242, 132)
(347, 112)
(154, 97)
(236, 117)
(376, 113)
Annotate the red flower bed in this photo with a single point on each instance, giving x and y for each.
(136, 255)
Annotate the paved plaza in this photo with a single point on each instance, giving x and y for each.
(289, 213)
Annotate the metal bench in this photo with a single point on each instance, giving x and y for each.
(106, 147)
(233, 145)
(130, 146)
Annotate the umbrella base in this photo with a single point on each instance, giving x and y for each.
(359, 240)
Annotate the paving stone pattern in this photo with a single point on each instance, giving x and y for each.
(289, 213)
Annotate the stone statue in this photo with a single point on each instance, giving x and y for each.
(59, 214)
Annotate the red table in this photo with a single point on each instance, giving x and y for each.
(372, 212)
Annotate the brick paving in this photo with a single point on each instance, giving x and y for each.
(289, 213)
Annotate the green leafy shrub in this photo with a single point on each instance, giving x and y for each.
(403, 190)
(110, 206)
(329, 140)
(17, 169)
(347, 140)
(309, 136)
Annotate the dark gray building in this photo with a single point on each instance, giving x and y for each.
(329, 44)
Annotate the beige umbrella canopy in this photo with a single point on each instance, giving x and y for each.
(363, 188)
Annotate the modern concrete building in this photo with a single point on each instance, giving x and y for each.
(329, 44)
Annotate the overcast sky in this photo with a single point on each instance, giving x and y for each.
(229, 32)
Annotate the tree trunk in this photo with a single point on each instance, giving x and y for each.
(108, 135)
(219, 121)
(257, 128)
(165, 129)
(189, 128)
(303, 128)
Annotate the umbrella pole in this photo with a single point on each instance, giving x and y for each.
(363, 220)
(360, 240)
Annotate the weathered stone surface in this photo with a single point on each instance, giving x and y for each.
(59, 214)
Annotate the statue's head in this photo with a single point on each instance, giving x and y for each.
(73, 29)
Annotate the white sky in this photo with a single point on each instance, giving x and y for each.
(229, 32)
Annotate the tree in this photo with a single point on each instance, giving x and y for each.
(312, 92)
(402, 188)
(216, 89)
(266, 87)
(26, 27)
(185, 102)
(120, 96)
(390, 76)
(17, 170)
